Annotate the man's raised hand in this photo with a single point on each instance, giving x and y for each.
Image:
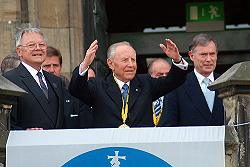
(90, 55)
(171, 50)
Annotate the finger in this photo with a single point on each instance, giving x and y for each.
(163, 47)
(93, 43)
(92, 50)
(169, 43)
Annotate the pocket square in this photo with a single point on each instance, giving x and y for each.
(73, 115)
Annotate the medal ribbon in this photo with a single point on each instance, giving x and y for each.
(156, 119)
(124, 112)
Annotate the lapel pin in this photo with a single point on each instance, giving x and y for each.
(136, 90)
(54, 85)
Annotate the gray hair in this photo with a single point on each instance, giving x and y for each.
(20, 33)
(10, 62)
(112, 49)
(203, 40)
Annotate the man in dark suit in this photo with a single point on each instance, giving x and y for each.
(76, 114)
(192, 104)
(124, 99)
(158, 68)
(42, 106)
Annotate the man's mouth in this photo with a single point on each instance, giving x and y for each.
(37, 54)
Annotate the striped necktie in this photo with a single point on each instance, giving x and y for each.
(42, 84)
(157, 107)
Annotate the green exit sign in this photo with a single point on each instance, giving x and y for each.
(205, 12)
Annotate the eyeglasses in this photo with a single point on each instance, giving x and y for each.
(33, 46)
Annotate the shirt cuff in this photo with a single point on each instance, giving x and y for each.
(83, 72)
(182, 65)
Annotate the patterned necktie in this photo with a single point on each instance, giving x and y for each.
(125, 92)
(157, 107)
(42, 84)
(209, 95)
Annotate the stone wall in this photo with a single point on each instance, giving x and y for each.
(60, 20)
(9, 12)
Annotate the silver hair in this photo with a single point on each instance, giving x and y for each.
(203, 40)
(20, 33)
(112, 49)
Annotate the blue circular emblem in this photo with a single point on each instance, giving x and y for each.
(116, 157)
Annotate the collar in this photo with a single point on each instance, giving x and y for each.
(120, 83)
(31, 70)
(201, 77)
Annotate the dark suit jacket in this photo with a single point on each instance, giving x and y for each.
(76, 114)
(105, 97)
(32, 109)
(187, 106)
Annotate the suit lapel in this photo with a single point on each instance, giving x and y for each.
(113, 91)
(34, 88)
(53, 84)
(216, 100)
(135, 90)
(193, 90)
(56, 88)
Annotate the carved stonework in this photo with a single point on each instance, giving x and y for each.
(234, 89)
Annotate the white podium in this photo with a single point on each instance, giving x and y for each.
(134, 147)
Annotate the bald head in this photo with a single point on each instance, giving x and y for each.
(159, 67)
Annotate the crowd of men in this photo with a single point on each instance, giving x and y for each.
(166, 96)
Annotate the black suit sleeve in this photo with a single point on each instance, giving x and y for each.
(81, 88)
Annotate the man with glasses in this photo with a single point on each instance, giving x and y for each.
(42, 106)
(192, 104)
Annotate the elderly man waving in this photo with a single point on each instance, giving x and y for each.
(124, 99)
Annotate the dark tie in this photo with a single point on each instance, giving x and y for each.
(125, 92)
(209, 96)
(42, 84)
(157, 107)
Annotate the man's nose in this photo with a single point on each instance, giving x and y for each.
(37, 46)
(208, 58)
(130, 62)
(51, 68)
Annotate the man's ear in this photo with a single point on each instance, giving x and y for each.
(110, 64)
(18, 51)
(190, 53)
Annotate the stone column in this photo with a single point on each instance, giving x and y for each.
(62, 23)
(8, 94)
(234, 89)
(60, 20)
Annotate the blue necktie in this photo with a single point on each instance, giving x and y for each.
(125, 92)
(157, 107)
(209, 95)
(42, 84)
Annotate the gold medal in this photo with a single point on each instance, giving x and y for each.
(123, 126)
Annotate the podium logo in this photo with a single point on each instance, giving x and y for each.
(116, 157)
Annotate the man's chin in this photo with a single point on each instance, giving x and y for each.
(130, 77)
